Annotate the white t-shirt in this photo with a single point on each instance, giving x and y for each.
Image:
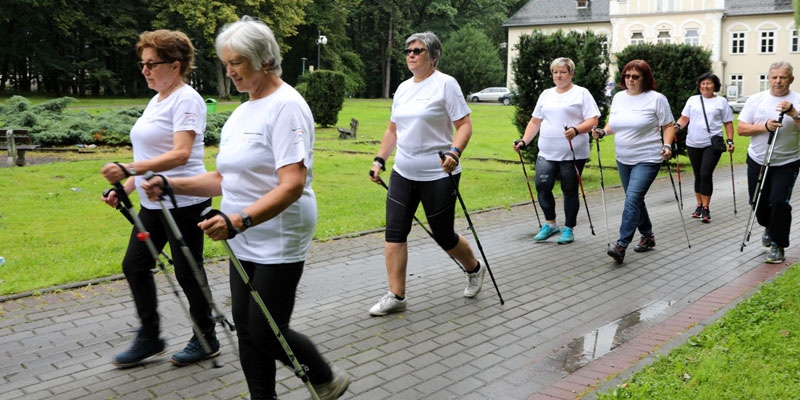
(152, 136)
(558, 109)
(259, 138)
(636, 122)
(424, 113)
(718, 113)
(761, 107)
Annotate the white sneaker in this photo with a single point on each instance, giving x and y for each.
(388, 304)
(336, 387)
(475, 282)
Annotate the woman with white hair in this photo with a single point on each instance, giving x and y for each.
(264, 174)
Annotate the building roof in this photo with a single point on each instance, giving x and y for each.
(553, 12)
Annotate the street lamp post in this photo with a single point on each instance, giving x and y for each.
(304, 65)
(320, 41)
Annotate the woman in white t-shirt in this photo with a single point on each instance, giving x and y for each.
(425, 110)
(264, 174)
(168, 139)
(705, 115)
(563, 117)
(637, 117)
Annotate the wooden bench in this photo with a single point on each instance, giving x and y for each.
(349, 134)
(14, 139)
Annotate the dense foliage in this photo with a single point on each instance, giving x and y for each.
(49, 126)
(325, 96)
(532, 71)
(83, 48)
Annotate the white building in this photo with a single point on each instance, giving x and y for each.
(744, 36)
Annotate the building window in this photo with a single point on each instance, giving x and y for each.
(583, 3)
(665, 5)
(763, 82)
(692, 37)
(637, 38)
(767, 42)
(738, 81)
(663, 38)
(737, 43)
(794, 41)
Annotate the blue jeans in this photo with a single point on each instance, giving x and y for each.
(546, 174)
(636, 180)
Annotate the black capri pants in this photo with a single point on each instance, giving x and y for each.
(438, 199)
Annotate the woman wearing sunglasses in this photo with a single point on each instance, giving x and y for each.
(167, 139)
(426, 107)
(638, 117)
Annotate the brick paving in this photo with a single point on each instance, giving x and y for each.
(573, 323)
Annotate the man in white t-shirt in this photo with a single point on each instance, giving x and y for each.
(772, 115)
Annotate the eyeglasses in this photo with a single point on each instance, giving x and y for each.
(417, 51)
(634, 77)
(150, 65)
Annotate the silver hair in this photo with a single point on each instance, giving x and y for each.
(253, 40)
(781, 65)
(563, 62)
(431, 42)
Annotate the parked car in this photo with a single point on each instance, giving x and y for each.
(507, 99)
(488, 94)
(736, 105)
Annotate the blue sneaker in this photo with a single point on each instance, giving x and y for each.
(566, 236)
(194, 352)
(546, 232)
(141, 349)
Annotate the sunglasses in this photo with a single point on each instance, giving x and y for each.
(634, 77)
(150, 65)
(417, 51)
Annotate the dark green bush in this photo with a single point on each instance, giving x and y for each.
(325, 96)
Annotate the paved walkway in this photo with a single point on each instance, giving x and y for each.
(573, 322)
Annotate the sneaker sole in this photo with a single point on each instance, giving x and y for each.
(121, 365)
(565, 241)
(184, 364)
(774, 261)
(615, 257)
(380, 314)
(642, 249)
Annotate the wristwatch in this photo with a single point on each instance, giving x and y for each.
(131, 169)
(246, 222)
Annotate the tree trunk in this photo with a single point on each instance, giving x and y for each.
(388, 63)
(223, 83)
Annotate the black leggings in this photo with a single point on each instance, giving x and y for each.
(438, 200)
(258, 345)
(139, 263)
(703, 160)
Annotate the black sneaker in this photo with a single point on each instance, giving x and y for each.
(616, 252)
(775, 255)
(141, 349)
(766, 240)
(194, 352)
(698, 212)
(645, 243)
(706, 215)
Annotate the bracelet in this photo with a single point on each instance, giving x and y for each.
(456, 149)
(729, 142)
(667, 147)
(576, 131)
(379, 162)
(766, 126)
(524, 145)
(677, 126)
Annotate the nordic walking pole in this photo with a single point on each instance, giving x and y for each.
(602, 188)
(678, 203)
(474, 233)
(144, 236)
(580, 181)
(762, 174)
(218, 317)
(521, 161)
(299, 370)
(733, 186)
(125, 213)
(382, 183)
(678, 168)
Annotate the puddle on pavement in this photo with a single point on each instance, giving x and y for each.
(601, 341)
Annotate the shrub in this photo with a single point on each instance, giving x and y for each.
(325, 96)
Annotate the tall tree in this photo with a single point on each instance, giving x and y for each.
(484, 67)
